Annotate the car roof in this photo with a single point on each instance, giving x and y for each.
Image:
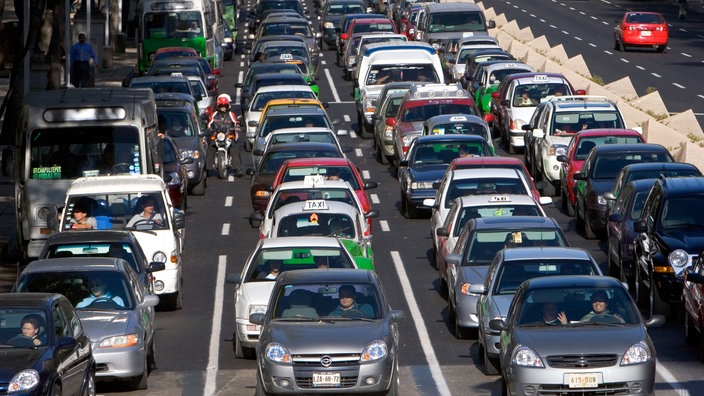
(571, 281)
(80, 264)
(303, 111)
(300, 130)
(332, 275)
(490, 66)
(174, 99)
(487, 160)
(512, 199)
(333, 207)
(294, 162)
(284, 43)
(629, 148)
(586, 102)
(527, 78)
(451, 7)
(606, 132)
(90, 237)
(450, 138)
(485, 172)
(278, 76)
(117, 183)
(298, 241)
(547, 252)
(515, 222)
(274, 88)
(28, 300)
(302, 146)
(162, 78)
(183, 50)
(658, 165)
(683, 185)
(642, 184)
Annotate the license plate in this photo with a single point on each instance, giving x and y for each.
(587, 380)
(326, 379)
(646, 33)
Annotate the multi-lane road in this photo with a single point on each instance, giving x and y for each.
(194, 345)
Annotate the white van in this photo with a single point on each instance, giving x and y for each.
(381, 63)
(115, 202)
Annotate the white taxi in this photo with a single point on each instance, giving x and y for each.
(118, 202)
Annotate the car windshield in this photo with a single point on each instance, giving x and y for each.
(613, 306)
(442, 153)
(32, 320)
(373, 27)
(274, 122)
(382, 74)
(261, 99)
(489, 210)
(483, 186)
(284, 197)
(298, 173)
(535, 93)
(343, 9)
(319, 137)
(587, 143)
(294, 258)
(607, 166)
(459, 128)
(638, 203)
(289, 28)
(455, 22)
(314, 301)
(164, 86)
(272, 161)
(86, 290)
(575, 121)
(96, 249)
(677, 212)
(511, 274)
(427, 110)
(312, 223)
(134, 211)
(175, 123)
(484, 244)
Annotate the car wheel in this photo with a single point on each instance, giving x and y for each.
(443, 286)
(151, 358)
(660, 306)
(618, 45)
(461, 333)
(393, 385)
(490, 365)
(613, 267)
(172, 301)
(56, 389)
(588, 230)
(661, 48)
(199, 189)
(578, 216)
(566, 205)
(504, 388)
(410, 211)
(691, 335)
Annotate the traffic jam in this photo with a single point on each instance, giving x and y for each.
(477, 149)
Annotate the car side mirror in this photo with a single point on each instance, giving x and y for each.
(255, 219)
(615, 217)
(477, 288)
(498, 325)
(442, 232)
(579, 176)
(256, 318)
(372, 214)
(370, 184)
(150, 300)
(233, 278)
(562, 158)
(155, 266)
(397, 315)
(639, 226)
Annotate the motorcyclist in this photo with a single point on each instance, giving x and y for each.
(223, 119)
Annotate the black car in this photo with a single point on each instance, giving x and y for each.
(597, 177)
(670, 235)
(54, 356)
(263, 176)
(330, 18)
(649, 170)
(108, 243)
(425, 164)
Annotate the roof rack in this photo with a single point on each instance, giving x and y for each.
(438, 90)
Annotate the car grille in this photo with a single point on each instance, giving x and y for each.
(619, 388)
(347, 365)
(581, 361)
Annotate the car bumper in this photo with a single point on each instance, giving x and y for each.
(492, 345)
(615, 380)
(637, 39)
(168, 278)
(517, 138)
(119, 362)
(355, 377)
(669, 287)
(195, 172)
(551, 168)
(416, 197)
(247, 333)
(330, 37)
(466, 310)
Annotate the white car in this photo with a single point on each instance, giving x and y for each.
(445, 235)
(312, 187)
(261, 97)
(199, 88)
(462, 182)
(305, 134)
(115, 202)
(253, 286)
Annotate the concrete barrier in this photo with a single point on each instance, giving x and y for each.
(680, 133)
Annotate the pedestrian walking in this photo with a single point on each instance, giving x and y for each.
(82, 57)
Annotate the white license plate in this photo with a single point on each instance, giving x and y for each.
(326, 379)
(646, 33)
(587, 380)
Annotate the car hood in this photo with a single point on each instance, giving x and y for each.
(99, 324)
(428, 172)
(553, 139)
(13, 360)
(559, 340)
(691, 240)
(186, 143)
(318, 337)
(602, 185)
(502, 303)
(474, 274)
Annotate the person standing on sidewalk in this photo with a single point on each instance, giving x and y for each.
(82, 57)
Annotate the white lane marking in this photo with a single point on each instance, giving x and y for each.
(424, 337)
(605, 23)
(670, 379)
(656, 75)
(582, 13)
(228, 201)
(543, 20)
(624, 60)
(365, 174)
(565, 32)
(230, 178)
(532, 15)
(374, 198)
(686, 54)
(346, 118)
(225, 229)
(240, 76)
(358, 152)
(214, 351)
(553, 26)
(332, 85)
(322, 62)
(608, 52)
(353, 135)
(701, 96)
(578, 38)
(384, 225)
(593, 17)
(640, 67)
(678, 85)
(592, 45)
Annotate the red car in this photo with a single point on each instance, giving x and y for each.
(369, 25)
(643, 29)
(580, 145)
(343, 168)
(499, 162)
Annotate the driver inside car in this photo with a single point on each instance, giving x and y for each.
(600, 308)
(147, 215)
(99, 292)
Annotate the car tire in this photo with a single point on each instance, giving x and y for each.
(240, 351)
(172, 301)
(661, 48)
(490, 365)
(700, 347)
(660, 306)
(443, 286)
(588, 230)
(151, 358)
(247, 146)
(691, 335)
(409, 211)
(504, 388)
(578, 220)
(394, 384)
(259, 391)
(199, 189)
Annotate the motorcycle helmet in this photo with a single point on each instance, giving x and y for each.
(223, 100)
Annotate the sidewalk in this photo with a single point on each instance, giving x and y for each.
(123, 64)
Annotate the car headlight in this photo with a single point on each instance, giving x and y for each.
(369, 100)
(277, 353)
(636, 354)
(351, 60)
(23, 381)
(159, 257)
(256, 309)
(227, 39)
(374, 351)
(518, 124)
(388, 132)
(329, 25)
(417, 185)
(601, 200)
(189, 153)
(558, 149)
(678, 258)
(121, 341)
(526, 357)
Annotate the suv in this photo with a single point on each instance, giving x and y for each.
(443, 21)
(511, 113)
(554, 124)
(670, 234)
(421, 103)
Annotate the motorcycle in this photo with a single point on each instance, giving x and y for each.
(222, 140)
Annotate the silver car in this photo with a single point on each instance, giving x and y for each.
(508, 270)
(115, 309)
(350, 341)
(602, 348)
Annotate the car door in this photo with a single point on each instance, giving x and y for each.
(74, 360)
(146, 314)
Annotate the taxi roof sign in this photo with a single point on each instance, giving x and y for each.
(315, 204)
(312, 180)
(500, 198)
